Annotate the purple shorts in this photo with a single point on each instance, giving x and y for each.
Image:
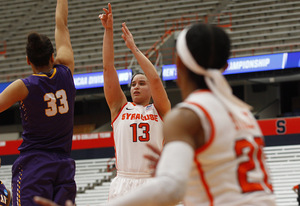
(45, 174)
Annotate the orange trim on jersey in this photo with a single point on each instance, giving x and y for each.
(212, 134)
(44, 75)
(202, 90)
(116, 162)
(201, 149)
(206, 187)
(112, 123)
(158, 113)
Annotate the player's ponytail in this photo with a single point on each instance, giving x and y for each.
(39, 49)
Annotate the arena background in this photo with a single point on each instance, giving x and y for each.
(264, 72)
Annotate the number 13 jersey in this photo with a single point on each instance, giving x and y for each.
(133, 128)
(229, 169)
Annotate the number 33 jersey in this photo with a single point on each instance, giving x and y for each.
(133, 128)
(47, 111)
(230, 168)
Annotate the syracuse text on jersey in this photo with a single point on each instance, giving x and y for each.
(134, 116)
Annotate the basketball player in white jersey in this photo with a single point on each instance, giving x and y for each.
(134, 123)
(214, 147)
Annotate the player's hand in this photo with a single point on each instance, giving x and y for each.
(107, 18)
(45, 202)
(153, 158)
(128, 38)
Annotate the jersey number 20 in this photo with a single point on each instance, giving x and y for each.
(51, 100)
(255, 156)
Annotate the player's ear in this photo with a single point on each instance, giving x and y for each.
(52, 58)
(28, 61)
(224, 68)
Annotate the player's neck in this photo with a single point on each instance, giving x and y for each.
(44, 69)
(187, 89)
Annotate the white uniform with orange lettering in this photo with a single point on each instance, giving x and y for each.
(134, 126)
(230, 168)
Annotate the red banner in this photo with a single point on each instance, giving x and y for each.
(81, 141)
(93, 140)
(280, 126)
(10, 147)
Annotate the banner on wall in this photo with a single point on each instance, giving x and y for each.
(94, 80)
(91, 80)
(269, 127)
(248, 64)
(237, 65)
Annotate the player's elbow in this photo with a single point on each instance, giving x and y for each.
(62, 29)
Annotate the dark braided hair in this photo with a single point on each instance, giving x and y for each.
(39, 49)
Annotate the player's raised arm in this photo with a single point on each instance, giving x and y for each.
(64, 51)
(113, 93)
(158, 91)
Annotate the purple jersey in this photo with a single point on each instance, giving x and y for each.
(3, 194)
(48, 111)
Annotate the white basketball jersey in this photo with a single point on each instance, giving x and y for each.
(230, 168)
(135, 126)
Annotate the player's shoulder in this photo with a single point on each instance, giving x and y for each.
(150, 106)
(181, 116)
(61, 68)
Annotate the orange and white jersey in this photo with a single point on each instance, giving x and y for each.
(230, 168)
(135, 126)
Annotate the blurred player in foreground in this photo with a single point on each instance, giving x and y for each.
(47, 97)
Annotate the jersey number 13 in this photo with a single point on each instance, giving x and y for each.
(145, 128)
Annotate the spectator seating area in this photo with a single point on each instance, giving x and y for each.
(283, 162)
(93, 179)
(93, 176)
(255, 27)
(262, 27)
(146, 19)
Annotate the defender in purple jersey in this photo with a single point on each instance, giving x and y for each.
(44, 167)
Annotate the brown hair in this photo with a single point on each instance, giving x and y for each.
(39, 49)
